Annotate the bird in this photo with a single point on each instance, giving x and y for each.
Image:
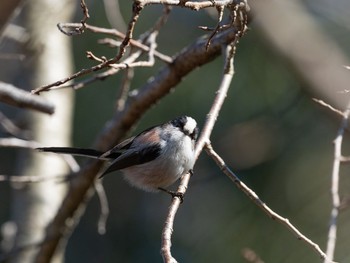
(152, 160)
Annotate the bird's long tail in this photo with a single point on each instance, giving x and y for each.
(74, 151)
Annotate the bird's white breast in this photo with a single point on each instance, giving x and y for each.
(176, 158)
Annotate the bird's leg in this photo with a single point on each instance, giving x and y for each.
(173, 194)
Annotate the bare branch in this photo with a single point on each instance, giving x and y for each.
(73, 31)
(332, 233)
(16, 97)
(203, 139)
(255, 198)
(11, 128)
(33, 178)
(326, 105)
(101, 225)
(194, 5)
(120, 35)
(124, 89)
(136, 13)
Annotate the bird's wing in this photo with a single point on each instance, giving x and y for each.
(117, 150)
(134, 157)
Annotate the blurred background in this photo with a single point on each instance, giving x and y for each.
(270, 132)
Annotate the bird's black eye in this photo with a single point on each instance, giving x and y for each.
(179, 122)
(187, 125)
(194, 134)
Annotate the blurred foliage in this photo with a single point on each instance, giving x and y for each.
(269, 131)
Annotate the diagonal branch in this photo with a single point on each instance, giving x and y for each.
(203, 139)
(11, 95)
(255, 198)
(332, 232)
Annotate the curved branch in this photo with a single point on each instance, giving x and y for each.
(255, 198)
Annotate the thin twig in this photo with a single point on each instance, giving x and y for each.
(136, 13)
(129, 62)
(332, 233)
(255, 198)
(116, 33)
(194, 5)
(326, 105)
(12, 128)
(102, 221)
(220, 10)
(124, 89)
(33, 178)
(80, 28)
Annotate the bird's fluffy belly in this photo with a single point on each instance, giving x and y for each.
(151, 177)
(175, 160)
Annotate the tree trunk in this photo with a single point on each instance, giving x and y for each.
(34, 205)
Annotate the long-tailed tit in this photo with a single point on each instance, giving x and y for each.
(154, 159)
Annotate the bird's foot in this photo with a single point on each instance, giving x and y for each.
(173, 194)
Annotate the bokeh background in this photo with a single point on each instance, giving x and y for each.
(270, 132)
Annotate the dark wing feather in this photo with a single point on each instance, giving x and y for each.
(124, 145)
(117, 150)
(132, 158)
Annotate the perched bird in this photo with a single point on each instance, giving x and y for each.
(152, 160)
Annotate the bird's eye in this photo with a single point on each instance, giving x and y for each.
(179, 122)
(194, 134)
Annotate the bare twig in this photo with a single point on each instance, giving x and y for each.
(194, 5)
(11, 128)
(116, 33)
(33, 178)
(101, 225)
(332, 233)
(220, 10)
(129, 62)
(85, 11)
(136, 13)
(73, 31)
(124, 88)
(326, 105)
(203, 139)
(255, 198)
(17, 97)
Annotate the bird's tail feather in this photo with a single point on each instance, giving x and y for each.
(73, 151)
